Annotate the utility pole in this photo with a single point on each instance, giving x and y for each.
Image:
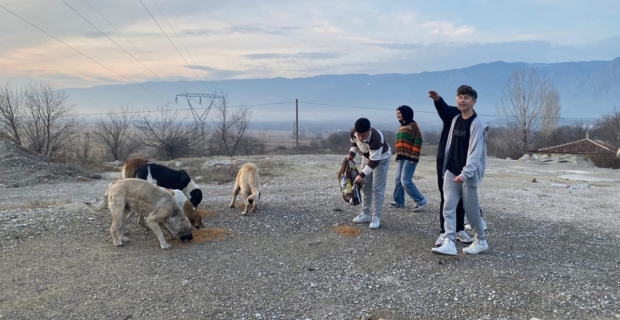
(297, 125)
(200, 119)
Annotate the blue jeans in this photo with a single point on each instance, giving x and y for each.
(404, 183)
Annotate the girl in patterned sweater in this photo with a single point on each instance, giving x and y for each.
(408, 146)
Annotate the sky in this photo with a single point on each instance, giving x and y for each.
(98, 42)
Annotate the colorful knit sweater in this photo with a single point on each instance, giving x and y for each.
(408, 142)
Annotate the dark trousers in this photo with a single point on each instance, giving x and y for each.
(460, 212)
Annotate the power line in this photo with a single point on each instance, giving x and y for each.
(127, 39)
(153, 111)
(175, 33)
(423, 111)
(83, 54)
(127, 52)
(175, 47)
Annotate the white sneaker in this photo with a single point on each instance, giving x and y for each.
(476, 247)
(448, 248)
(439, 240)
(361, 218)
(375, 223)
(463, 237)
(420, 206)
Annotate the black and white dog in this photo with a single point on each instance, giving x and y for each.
(170, 179)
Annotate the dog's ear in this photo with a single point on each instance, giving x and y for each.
(195, 197)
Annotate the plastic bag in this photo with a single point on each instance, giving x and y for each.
(349, 189)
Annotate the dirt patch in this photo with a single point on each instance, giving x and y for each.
(204, 235)
(348, 231)
(206, 213)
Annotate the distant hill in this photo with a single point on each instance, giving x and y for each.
(588, 90)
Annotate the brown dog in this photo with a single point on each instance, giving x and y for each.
(156, 206)
(192, 214)
(247, 183)
(130, 166)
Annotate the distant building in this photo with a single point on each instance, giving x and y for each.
(584, 147)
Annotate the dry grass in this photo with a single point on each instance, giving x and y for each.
(348, 231)
(225, 173)
(34, 204)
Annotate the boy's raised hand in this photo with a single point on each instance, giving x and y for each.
(434, 95)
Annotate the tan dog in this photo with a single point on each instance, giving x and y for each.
(130, 166)
(156, 206)
(192, 214)
(247, 183)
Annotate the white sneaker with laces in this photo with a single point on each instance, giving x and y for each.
(463, 237)
(448, 248)
(439, 240)
(420, 206)
(477, 247)
(375, 223)
(361, 218)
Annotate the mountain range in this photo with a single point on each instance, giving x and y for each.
(587, 89)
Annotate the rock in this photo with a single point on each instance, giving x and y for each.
(82, 179)
(525, 157)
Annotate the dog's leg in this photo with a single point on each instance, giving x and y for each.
(154, 225)
(166, 231)
(246, 202)
(142, 222)
(254, 198)
(115, 229)
(234, 196)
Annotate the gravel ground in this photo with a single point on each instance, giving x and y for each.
(554, 251)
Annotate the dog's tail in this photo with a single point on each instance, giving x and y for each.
(104, 204)
(130, 166)
(253, 182)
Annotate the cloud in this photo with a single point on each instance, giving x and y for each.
(262, 29)
(218, 73)
(294, 56)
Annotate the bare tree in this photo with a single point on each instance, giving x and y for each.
(337, 141)
(561, 135)
(608, 128)
(167, 134)
(113, 132)
(11, 105)
(551, 112)
(83, 147)
(49, 121)
(527, 99)
(504, 142)
(431, 137)
(230, 128)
